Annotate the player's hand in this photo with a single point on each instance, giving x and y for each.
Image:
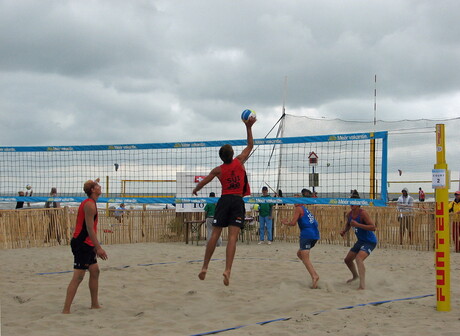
(251, 121)
(101, 253)
(342, 233)
(194, 192)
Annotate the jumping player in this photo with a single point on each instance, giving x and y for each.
(230, 210)
(364, 228)
(309, 235)
(85, 247)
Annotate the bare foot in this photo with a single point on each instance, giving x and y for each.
(66, 311)
(314, 283)
(226, 278)
(361, 288)
(97, 306)
(202, 274)
(352, 279)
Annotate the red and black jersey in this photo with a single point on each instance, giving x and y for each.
(81, 232)
(234, 179)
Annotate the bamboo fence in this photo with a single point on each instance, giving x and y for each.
(50, 227)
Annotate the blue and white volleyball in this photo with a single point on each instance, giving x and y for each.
(28, 187)
(247, 114)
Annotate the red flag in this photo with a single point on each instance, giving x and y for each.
(198, 179)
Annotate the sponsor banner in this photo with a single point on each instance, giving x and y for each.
(179, 145)
(198, 200)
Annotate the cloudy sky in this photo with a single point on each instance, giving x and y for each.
(141, 71)
(110, 72)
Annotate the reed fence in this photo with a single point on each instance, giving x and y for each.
(50, 227)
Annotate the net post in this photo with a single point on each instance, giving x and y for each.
(372, 170)
(442, 233)
(107, 195)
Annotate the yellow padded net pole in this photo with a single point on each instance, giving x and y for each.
(442, 236)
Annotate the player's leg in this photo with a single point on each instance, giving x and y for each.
(210, 247)
(233, 232)
(94, 285)
(304, 255)
(349, 261)
(77, 278)
(219, 240)
(360, 257)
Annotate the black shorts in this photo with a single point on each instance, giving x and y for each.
(83, 255)
(230, 210)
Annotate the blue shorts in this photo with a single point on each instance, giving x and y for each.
(363, 246)
(307, 244)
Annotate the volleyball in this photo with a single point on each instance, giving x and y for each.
(247, 114)
(28, 187)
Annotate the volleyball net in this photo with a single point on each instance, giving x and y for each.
(166, 173)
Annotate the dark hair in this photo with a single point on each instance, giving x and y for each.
(212, 194)
(306, 191)
(354, 192)
(280, 193)
(226, 153)
(264, 188)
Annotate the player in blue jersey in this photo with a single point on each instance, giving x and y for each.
(309, 235)
(364, 228)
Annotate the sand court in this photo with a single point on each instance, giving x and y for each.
(153, 288)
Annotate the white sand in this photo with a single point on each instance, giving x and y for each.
(267, 283)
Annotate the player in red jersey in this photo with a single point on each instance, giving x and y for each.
(230, 210)
(85, 247)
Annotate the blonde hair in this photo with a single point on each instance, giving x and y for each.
(89, 185)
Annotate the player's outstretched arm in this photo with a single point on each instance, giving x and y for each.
(215, 172)
(245, 153)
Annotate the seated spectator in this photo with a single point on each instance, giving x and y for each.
(53, 193)
(20, 205)
(120, 212)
